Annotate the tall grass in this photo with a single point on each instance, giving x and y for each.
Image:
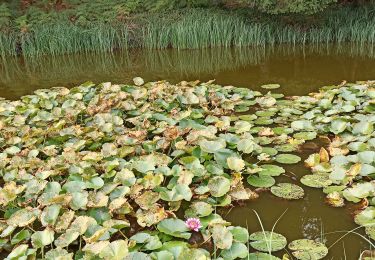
(192, 29)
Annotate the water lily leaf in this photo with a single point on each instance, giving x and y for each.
(338, 126)
(240, 234)
(42, 238)
(149, 241)
(218, 186)
(138, 81)
(116, 250)
(261, 180)
(366, 217)
(50, 214)
(287, 158)
(21, 251)
(138, 256)
(235, 164)
(212, 146)
(174, 227)
(95, 248)
(237, 250)
(261, 256)
(316, 180)
(302, 125)
(359, 191)
(23, 217)
(271, 170)
(174, 247)
(266, 241)
(162, 255)
(270, 86)
(81, 223)
(20, 236)
(363, 128)
(58, 254)
(178, 192)
(199, 209)
(144, 166)
(222, 237)
(287, 191)
(246, 146)
(67, 238)
(306, 249)
(370, 231)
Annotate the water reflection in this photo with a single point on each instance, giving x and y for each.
(299, 70)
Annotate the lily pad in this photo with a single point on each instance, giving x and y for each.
(316, 180)
(287, 158)
(306, 249)
(267, 241)
(218, 186)
(261, 180)
(288, 191)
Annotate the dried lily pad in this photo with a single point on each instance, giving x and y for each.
(287, 191)
(306, 249)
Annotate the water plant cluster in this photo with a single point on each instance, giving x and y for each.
(138, 171)
(110, 27)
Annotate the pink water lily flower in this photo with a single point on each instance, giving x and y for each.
(193, 224)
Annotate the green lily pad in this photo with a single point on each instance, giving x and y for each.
(287, 158)
(261, 180)
(174, 227)
(288, 191)
(218, 186)
(270, 86)
(271, 170)
(267, 241)
(316, 180)
(306, 249)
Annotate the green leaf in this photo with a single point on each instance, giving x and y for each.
(212, 146)
(316, 180)
(306, 249)
(287, 191)
(237, 250)
(218, 186)
(240, 234)
(261, 180)
(20, 236)
(266, 241)
(42, 238)
(271, 170)
(287, 158)
(174, 227)
(235, 163)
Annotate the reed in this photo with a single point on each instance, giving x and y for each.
(192, 29)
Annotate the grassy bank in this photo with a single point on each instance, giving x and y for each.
(190, 28)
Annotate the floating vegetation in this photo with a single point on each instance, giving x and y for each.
(137, 171)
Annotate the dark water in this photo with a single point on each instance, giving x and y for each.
(299, 71)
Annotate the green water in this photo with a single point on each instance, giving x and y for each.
(299, 71)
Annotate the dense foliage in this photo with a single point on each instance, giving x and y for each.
(112, 171)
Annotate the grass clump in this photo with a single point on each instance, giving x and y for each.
(182, 29)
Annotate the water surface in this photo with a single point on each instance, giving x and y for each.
(298, 70)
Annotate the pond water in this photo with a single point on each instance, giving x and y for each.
(299, 71)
